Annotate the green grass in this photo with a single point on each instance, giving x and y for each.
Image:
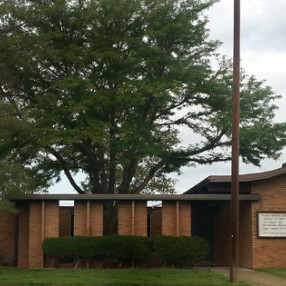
(118, 277)
(274, 271)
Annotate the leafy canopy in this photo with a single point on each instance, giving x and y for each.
(102, 88)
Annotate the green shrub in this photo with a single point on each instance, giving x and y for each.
(131, 248)
(180, 251)
(55, 247)
(134, 248)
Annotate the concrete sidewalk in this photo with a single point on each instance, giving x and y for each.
(253, 277)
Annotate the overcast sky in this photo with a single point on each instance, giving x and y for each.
(263, 53)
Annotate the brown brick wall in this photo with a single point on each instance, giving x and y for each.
(51, 219)
(268, 252)
(42, 218)
(185, 218)
(7, 238)
(35, 254)
(140, 219)
(169, 221)
(96, 219)
(43, 223)
(80, 227)
(23, 234)
(245, 238)
(125, 218)
(88, 218)
(37, 220)
(132, 218)
(176, 218)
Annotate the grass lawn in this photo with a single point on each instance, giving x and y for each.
(274, 271)
(118, 277)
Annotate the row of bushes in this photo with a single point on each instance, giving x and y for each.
(132, 248)
(175, 251)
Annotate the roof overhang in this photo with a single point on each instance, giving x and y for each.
(133, 197)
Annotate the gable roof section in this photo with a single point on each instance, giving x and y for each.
(246, 178)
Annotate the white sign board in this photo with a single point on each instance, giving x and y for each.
(272, 224)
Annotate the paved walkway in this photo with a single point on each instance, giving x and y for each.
(254, 278)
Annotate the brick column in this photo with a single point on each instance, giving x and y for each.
(96, 219)
(23, 233)
(88, 218)
(124, 218)
(185, 218)
(43, 222)
(132, 218)
(169, 220)
(140, 218)
(80, 218)
(176, 218)
(35, 234)
(51, 219)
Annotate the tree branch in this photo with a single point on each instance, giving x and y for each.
(150, 176)
(66, 170)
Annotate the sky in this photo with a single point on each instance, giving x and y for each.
(263, 53)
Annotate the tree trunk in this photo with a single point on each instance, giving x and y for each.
(110, 218)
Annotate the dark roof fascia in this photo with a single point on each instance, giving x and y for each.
(198, 186)
(131, 197)
(245, 178)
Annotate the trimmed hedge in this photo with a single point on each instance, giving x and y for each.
(131, 248)
(177, 251)
(181, 251)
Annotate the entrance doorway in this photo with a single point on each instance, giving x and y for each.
(202, 225)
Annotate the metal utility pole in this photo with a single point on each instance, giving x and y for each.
(235, 147)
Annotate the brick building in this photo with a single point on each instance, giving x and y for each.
(262, 240)
(204, 210)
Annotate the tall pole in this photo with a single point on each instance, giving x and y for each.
(235, 147)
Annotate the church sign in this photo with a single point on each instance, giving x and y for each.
(272, 224)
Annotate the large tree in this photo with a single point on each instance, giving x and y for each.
(102, 88)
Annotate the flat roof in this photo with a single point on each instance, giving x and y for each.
(133, 197)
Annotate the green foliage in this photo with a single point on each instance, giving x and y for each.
(181, 251)
(7, 206)
(14, 179)
(178, 251)
(136, 248)
(74, 246)
(104, 87)
(131, 248)
(56, 247)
